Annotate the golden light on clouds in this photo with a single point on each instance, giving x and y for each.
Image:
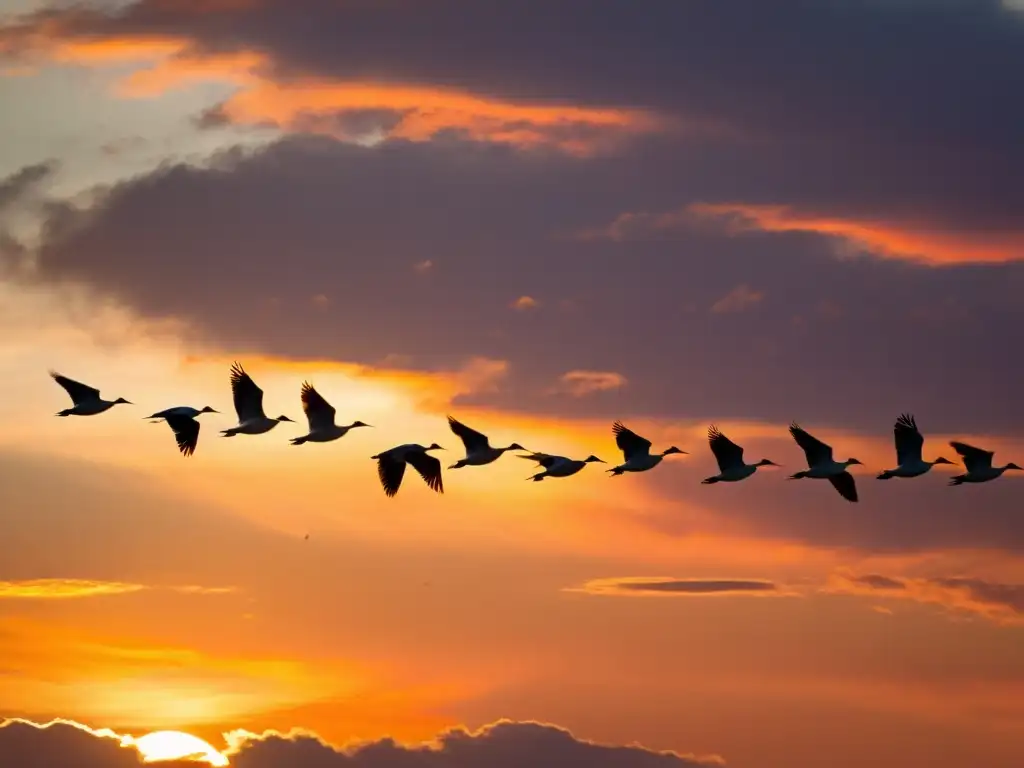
(176, 745)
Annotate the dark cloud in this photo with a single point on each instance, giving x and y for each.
(642, 586)
(15, 187)
(501, 745)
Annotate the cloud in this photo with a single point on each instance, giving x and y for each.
(524, 303)
(739, 299)
(997, 602)
(61, 589)
(23, 181)
(668, 586)
(583, 383)
(504, 744)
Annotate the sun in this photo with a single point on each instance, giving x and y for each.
(176, 745)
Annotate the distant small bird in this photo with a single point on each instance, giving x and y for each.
(729, 456)
(558, 466)
(636, 451)
(478, 447)
(391, 466)
(979, 465)
(320, 415)
(183, 423)
(249, 406)
(821, 465)
(908, 450)
(87, 401)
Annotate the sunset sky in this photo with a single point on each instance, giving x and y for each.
(538, 216)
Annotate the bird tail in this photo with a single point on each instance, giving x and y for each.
(538, 477)
(65, 412)
(299, 440)
(709, 481)
(886, 475)
(228, 433)
(615, 471)
(797, 475)
(956, 481)
(457, 465)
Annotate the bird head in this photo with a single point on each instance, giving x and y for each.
(851, 462)
(594, 458)
(283, 418)
(515, 447)
(767, 463)
(673, 449)
(1011, 465)
(434, 447)
(360, 424)
(208, 409)
(942, 460)
(122, 401)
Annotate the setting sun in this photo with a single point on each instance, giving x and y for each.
(176, 745)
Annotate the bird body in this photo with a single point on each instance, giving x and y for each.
(821, 465)
(320, 416)
(183, 422)
(909, 442)
(248, 400)
(636, 451)
(391, 466)
(731, 467)
(86, 399)
(479, 450)
(558, 466)
(979, 465)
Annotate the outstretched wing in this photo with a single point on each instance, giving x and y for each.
(727, 453)
(629, 442)
(974, 458)
(546, 460)
(844, 483)
(319, 413)
(908, 440)
(816, 451)
(186, 432)
(248, 397)
(78, 391)
(473, 440)
(390, 472)
(429, 468)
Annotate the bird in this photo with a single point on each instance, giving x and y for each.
(729, 456)
(249, 406)
(86, 399)
(184, 424)
(636, 451)
(821, 465)
(478, 448)
(908, 450)
(391, 466)
(558, 466)
(320, 415)
(978, 463)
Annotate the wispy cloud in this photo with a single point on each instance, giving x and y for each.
(583, 383)
(524, 303)
(641, 586)
(64, 589)
(740, 298)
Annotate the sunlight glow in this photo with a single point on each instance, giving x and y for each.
(176, 745)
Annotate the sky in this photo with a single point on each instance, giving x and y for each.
(539, 217)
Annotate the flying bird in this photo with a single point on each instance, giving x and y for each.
(636, 451)
(558, 466)
(249, 406)
(86, 399)
(391, 466)
(478, 448)
(978, 463)
(821, 465)
(184, 424)
(729, 456)
(908, 450)
(320, 415)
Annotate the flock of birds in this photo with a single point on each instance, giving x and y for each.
(636, 450)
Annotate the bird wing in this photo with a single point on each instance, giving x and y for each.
(186, 432)
(629, 442)
(908, 440)
(429, 468)
(844, 483)
(473, 440)
(546, 460)
(78, 391)
(390, 472)
(816, 451)
(974, 458)
(248, 397)
(319, 413)
(727, 453)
